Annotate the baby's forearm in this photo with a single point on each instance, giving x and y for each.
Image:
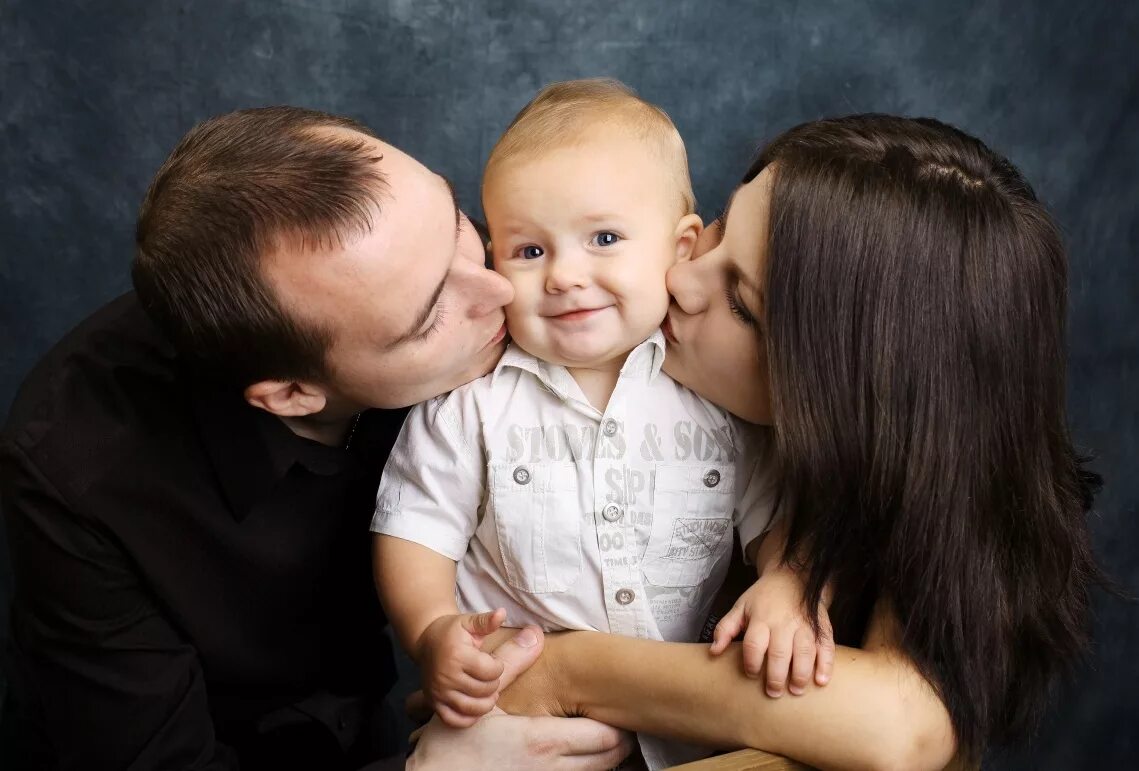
(415, 584)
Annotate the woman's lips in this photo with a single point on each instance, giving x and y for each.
(666, 327)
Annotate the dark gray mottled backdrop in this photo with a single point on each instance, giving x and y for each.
(94, 94)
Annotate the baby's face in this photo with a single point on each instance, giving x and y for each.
(585, 234)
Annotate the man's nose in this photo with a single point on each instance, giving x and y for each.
(686, 286)
(490, 291)
(566, 271)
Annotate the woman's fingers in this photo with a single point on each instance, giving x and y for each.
(803, 660)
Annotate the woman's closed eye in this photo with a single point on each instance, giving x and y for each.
(738, 309)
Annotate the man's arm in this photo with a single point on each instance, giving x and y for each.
(116, 684)
(877, 711)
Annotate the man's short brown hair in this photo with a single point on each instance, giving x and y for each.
(237, 188)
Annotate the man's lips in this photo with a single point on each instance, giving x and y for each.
(498, 336)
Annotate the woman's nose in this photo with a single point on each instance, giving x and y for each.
(686, 287)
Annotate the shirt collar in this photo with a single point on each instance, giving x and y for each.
(251, 450)
(646, 359)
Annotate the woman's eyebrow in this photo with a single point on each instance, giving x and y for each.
(727, 208)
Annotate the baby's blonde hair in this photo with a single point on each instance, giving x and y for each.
(562, 114)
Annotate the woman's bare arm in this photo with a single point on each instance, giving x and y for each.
(877, 711)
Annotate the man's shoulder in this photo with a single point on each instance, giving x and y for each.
(99, 392)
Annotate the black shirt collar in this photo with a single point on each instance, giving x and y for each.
(252, 450)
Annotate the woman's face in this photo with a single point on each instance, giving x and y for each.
(713, 327)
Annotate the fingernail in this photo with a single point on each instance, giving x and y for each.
(795, 690)
(526, 638)
(824, 679)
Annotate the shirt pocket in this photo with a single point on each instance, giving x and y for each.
(538, 522)
(692, 523)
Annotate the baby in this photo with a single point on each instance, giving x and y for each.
(577, 486)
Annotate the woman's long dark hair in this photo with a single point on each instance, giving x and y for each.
(916, 293)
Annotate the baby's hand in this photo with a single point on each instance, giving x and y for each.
(460, 679)
(772, 612)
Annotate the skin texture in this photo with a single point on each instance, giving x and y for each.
(877, 711)
(713, 347)
(372, 293)
(585, 234)
(779, 643)
(502, 741)
(414, 312)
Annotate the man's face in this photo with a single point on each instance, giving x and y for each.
(412, 308)
(585, 234)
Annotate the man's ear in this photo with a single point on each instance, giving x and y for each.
(687, 231)
(286, 398)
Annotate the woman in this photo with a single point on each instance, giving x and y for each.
(890, 297)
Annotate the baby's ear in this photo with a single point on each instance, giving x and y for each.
(687, 231)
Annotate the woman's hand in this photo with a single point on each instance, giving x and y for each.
(536, 691)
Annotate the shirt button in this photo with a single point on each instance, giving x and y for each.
(522, 475)
(625, 596)
(712, 478)
(610, 427)
(612, 512)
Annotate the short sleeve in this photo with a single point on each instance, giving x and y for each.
(434, 480)
(754, 507)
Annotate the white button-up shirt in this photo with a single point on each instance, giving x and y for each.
(572, 518)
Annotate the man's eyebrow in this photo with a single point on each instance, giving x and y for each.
(424, 313)
(455, 202)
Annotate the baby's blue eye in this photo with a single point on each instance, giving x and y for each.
(606, 238)
(531, 252)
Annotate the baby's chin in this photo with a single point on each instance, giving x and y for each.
(585, 357)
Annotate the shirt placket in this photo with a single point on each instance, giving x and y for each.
(626, 604)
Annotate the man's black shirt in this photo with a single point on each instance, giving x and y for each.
(185, 566)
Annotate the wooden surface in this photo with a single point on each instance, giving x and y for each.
(744, 760)
(757, 760)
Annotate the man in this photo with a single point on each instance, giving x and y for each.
(188, 477)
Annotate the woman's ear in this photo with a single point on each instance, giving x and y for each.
(286, 398)
(687, 231)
